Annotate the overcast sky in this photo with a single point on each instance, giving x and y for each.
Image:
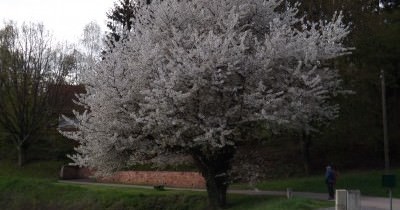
(64, 18)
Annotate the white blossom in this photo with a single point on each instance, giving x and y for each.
(193, 72)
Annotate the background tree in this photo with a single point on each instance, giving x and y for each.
(87, 52)
(121, 19)
(28, 69)
(374, 36)
(193, 76)
(92, 40)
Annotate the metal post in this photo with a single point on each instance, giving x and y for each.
(384, 120)
(391, 198)
(385, 132)
(289, 193)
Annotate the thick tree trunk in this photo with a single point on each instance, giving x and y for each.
(214, 168)
(216, 190)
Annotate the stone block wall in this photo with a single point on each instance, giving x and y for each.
(166, 178)
(153, 178)
(75, 172)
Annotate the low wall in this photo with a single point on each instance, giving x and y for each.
(166, 178)
(74, 172)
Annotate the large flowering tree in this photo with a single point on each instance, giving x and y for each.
(194, 73)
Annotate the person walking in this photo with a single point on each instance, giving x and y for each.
(330, 180)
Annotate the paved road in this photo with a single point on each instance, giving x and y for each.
(367, 202)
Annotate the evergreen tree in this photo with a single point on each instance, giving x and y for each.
(121, 19)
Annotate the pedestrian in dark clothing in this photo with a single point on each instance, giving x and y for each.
(330, 180)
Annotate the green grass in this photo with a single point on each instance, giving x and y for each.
(25, 193)
(34, 187)
(39, 169)
(369, 183)
(32, 193)
(275, 203)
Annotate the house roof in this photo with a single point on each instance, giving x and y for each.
(62, 98)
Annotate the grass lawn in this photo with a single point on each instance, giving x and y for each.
(34, 187)
(40, 169)
(368, 182)
(42, 194)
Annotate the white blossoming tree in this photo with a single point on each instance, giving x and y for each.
(194, 73)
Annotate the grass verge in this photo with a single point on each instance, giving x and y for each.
(369, 183)
(34, 187)
(42, 194)
(39, 169)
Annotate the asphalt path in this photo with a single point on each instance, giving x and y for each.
(367, 202)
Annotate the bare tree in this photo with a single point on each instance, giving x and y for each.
(92, 39)
(29, 68)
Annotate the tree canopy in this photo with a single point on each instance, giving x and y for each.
(193, 74)
(29, 69)
(121, 18)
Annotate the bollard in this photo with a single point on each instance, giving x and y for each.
(289, 193)
(341, 199)
(353, 200)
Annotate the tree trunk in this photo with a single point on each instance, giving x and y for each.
(214, 168)
(216, 189)
(305, 149)
(21, 155)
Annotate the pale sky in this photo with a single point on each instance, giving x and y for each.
(65, 19)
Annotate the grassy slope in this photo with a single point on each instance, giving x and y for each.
(25, 193)
(42, 169)
(34, 187)
(369, 183)
(33, 193)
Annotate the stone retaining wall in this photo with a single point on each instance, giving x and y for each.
(74, 172)
(166, 178)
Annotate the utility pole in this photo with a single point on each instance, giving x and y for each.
(390, 178)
